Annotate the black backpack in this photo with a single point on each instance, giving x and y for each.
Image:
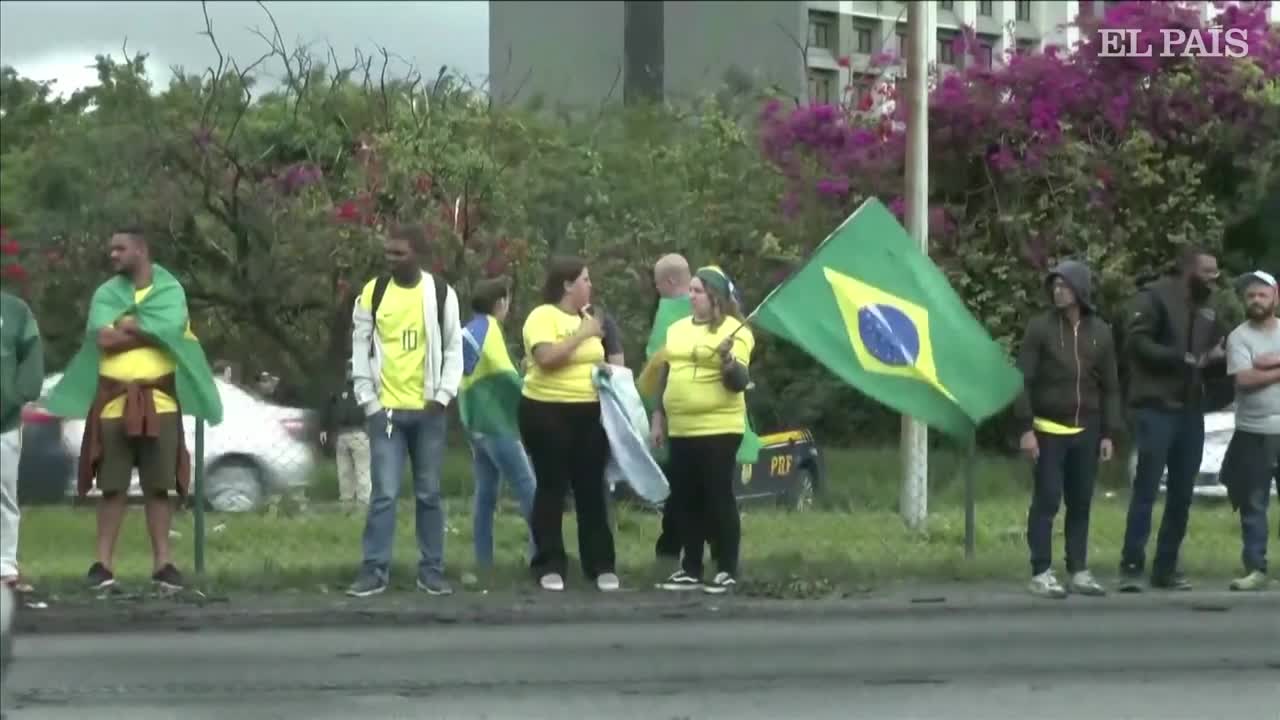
(380, 289)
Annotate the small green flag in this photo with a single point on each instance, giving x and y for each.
(876, 311)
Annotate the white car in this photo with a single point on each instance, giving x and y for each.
(258, 449)
(1218, 428)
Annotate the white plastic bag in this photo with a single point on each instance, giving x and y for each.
(627, 425)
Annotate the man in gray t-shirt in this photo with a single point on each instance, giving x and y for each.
(1253, 458)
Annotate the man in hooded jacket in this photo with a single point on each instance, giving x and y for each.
(1068, 412)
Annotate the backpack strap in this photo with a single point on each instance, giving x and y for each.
(379, 290)
(442, 294)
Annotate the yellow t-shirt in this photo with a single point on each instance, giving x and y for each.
(145, 363)
(696, 401)
(402, 329)
(572, 382)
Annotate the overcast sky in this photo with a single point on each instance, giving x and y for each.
(56, 40)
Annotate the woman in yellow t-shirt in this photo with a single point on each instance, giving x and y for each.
(560, 425)
(702, 416)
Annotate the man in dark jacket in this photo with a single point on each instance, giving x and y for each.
(342, 423)
(1174, 342)
(1068, 412)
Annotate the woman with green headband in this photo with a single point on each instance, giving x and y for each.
(702, 415)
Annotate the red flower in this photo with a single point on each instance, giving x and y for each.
(348, 211)
(16, 273)
(495, 266)
(843, 61)
(9, 247)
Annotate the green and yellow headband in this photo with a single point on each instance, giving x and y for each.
(713, 277)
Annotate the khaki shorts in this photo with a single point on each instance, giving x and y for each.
(156, 458)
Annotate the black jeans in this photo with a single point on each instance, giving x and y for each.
(569, 449)
(702, 496)
(1252, 463)
(1172, 439)
(670, 542)
(1066, 469)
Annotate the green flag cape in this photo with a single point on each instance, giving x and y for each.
(671, 310)
(873, 309)
(162, 316)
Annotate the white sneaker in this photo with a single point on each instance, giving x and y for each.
(1083, 583)
(1046, 585)
(552, 582)
(608, 582)
(1252, 582)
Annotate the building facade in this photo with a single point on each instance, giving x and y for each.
(582, 54)
(845, 37)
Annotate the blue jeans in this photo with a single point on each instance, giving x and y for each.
(420, 436)
(1253, 525)
(1251, 465)
(1172, 439)
(493, 458)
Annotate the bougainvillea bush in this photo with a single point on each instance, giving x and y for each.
(1064, 152)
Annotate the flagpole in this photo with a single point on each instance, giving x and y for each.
(914, 498)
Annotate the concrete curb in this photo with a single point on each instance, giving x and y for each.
(409, 609)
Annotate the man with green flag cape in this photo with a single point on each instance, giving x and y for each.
(876, 311)
(138, 372)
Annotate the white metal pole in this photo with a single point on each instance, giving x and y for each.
(914, 500)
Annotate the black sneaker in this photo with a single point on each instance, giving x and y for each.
(1131, 580)
(432, 584)
(368, 584)
(721, 585)
(1171, 581)
(681, 581)
(168, 578)
(100, 578)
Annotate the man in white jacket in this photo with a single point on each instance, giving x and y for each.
(406, 365)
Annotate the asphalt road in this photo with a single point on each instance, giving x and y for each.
(1063, 663)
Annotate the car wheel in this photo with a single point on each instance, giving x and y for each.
(234, 486)
(804, 490)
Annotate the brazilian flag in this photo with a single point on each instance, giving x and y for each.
(876, 311)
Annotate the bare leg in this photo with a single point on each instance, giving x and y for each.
(111, 510)
(159, 520)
